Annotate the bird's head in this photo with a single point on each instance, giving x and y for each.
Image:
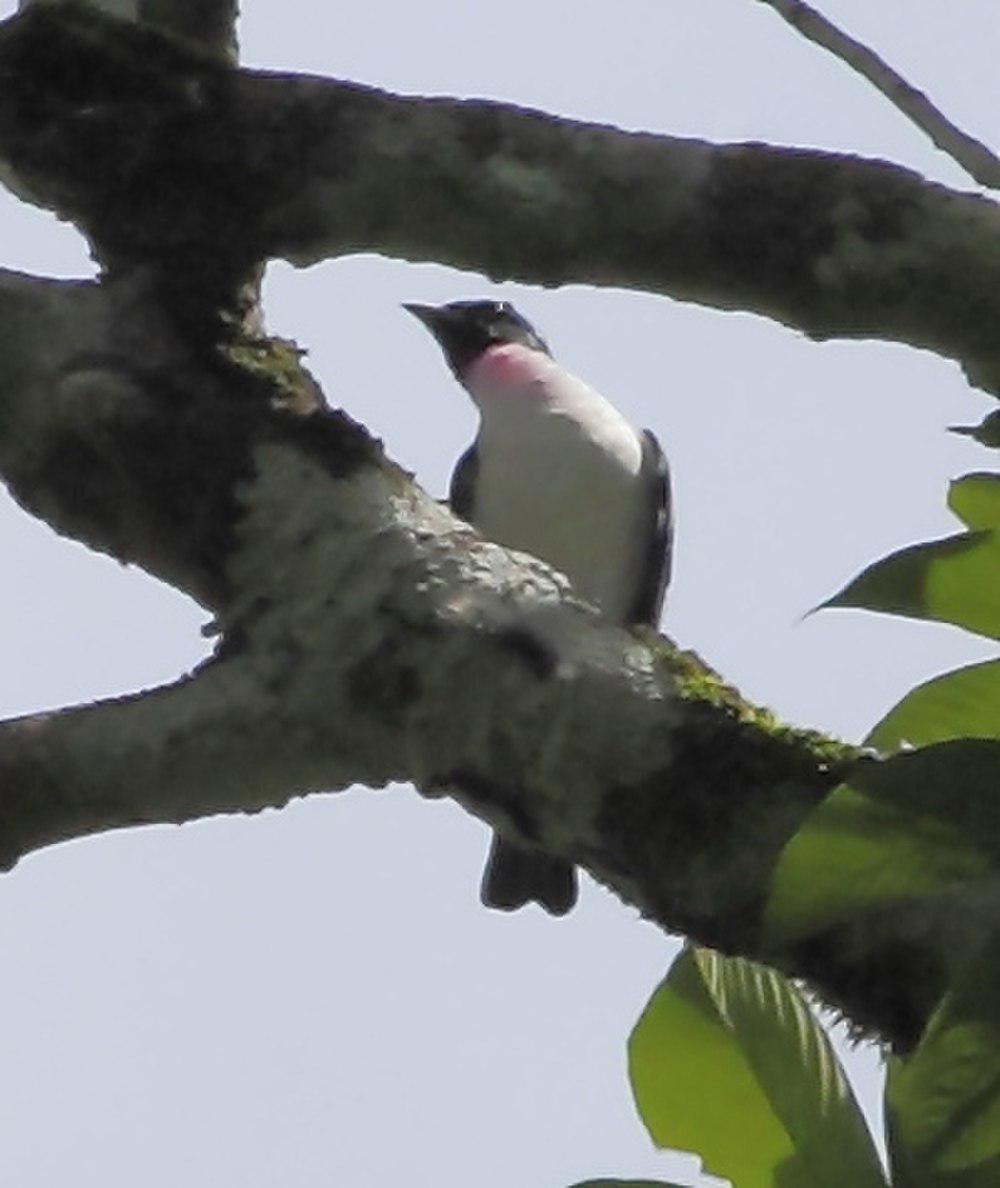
(465, 329)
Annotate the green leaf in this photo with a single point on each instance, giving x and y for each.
(919, 824)
(944, 1100)
(960, 704)
(956, 580)
(975, 499)
(727, 1060)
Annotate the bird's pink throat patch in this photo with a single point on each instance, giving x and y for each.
(507, 365)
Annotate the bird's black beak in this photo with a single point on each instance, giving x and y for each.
(460, 339)
(434, 317)
(423, 312)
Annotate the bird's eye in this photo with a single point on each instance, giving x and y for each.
(503, 309)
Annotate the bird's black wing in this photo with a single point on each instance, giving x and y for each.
(462, 491)
(654, 576)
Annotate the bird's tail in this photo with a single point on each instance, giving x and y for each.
(516, 875)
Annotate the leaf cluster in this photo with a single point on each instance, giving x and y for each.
(729, 1058)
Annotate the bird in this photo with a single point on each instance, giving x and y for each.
(557, 471)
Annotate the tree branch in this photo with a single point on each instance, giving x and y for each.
(270, 165)
(210, 24)
(368, 636)
(971, 154)
(102, 438)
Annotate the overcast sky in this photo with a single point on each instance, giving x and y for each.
(315, 996)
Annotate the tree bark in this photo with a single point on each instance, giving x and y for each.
(366, 635)
(164, 156)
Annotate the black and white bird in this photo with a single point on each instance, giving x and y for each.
(558, 472)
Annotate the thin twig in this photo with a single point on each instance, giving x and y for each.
(971, 154)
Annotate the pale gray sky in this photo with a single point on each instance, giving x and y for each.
(315, 996)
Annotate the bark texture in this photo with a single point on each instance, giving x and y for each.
(163, 155)
(366, 635)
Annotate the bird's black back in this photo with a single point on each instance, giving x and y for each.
(654, 577)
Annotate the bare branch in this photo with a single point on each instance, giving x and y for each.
(304, 168)
(972, 155)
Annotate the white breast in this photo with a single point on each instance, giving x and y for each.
(560, 477)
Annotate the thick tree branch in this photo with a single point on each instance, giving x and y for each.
(112, 427)
(367, 636)
(209, 24)
(213, 169)
(971, 154)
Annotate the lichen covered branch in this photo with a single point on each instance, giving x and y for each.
(262, 165)
(365, 635)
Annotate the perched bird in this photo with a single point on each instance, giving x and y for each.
(555, 471)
